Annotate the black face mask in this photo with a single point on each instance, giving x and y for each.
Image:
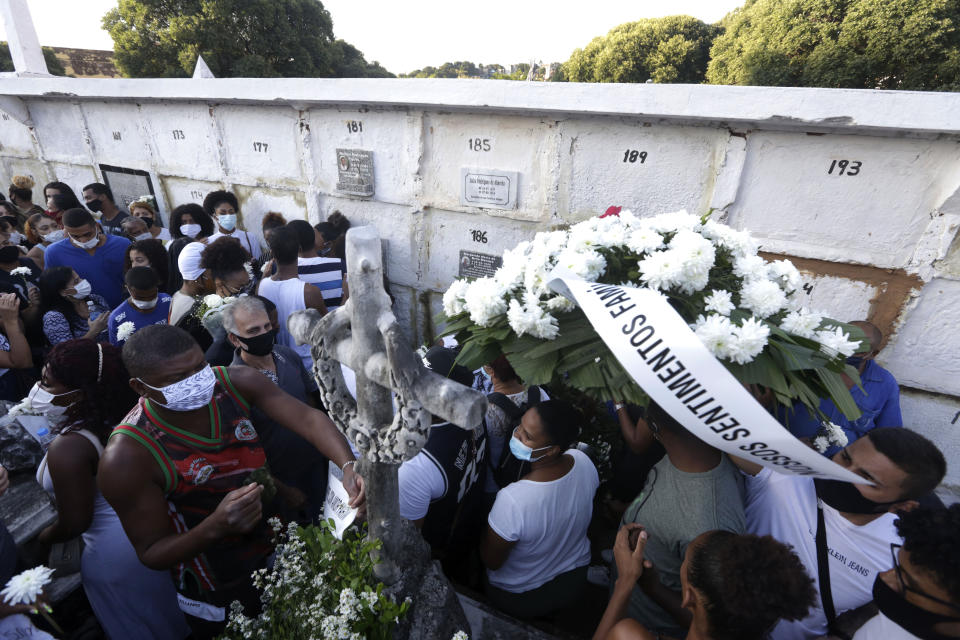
(259, 345)
(907, 615)
(95, 205)
(9, 255)
(855, 362)
(845, 497)
(148, 222)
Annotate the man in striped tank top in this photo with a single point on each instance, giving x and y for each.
(187, 475)
(325, 273)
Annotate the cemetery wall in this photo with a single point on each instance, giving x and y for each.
(860, 188)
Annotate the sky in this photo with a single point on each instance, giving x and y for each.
(410, 34)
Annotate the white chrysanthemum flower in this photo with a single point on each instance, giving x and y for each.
(125, 330)
(821, 444)
(559, 303)
(530, 319)
(212, 300)
(836, 341)
(674, 221)
(785, 274)
(749, 340)
(716, 334)
(453, 302)
(835, 434)
(738, 242)
(763, 297)
(26, 587)
(803, 323)
(697, 256)
(21, 271)
(661, 269)
(589, 265)
(485, 301)
(510, 274)
(719, 301)
(750, 267)
(629, 219)
(643, 239)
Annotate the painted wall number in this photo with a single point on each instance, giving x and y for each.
(117, 136)
(850, 167)
(5, 116)
(178, 134)
(632, 155)
(479, 236)
(355, 126)
(479, 144)
(808, 287)
(260, 146)
(196, 193)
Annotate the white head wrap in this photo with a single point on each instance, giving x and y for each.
(189, 261)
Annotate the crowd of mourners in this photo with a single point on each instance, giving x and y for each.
(176, 440)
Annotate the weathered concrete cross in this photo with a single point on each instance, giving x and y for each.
(364, 335)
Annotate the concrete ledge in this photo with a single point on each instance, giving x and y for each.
(487, 623)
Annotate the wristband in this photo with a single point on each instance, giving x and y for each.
(344, 467)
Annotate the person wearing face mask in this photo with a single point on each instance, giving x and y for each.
(14, 348)
(145, 209)
(95, 255)
(187, 474)
(60, 198)
(99, 199)
(293, 461)
(919, 598)
(84, 389)
(42, 230)
(25, 282)
(223, 207)
(878, 400)
(842, 532)
(535, 547)
(734, 586)
(70, 309)
(135, 229)
(145, 306)
(192, 222)
(148, 253)
(197, 283)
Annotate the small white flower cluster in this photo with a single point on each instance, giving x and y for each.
(829, 435)
(460, 635)
(675, 252)
(21, 271)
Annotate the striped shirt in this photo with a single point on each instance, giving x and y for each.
(327, 275)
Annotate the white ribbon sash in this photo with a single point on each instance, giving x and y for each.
(668, 361)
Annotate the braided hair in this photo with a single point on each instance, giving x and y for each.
(98, 371)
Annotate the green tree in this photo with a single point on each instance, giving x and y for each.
(54, 66)
(864, 44)
(671, 49)
(237, 38)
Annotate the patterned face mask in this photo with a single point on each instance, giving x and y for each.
(190, 393)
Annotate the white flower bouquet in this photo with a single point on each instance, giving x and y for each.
(744, 309)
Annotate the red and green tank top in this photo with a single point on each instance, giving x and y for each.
(198, 472)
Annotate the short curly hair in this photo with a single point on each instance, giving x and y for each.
(214, 198)
(223, 257)
(749, 583)
(929, 536)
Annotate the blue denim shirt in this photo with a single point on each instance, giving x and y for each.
(879, 401)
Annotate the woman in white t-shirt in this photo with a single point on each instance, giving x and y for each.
(536, 548)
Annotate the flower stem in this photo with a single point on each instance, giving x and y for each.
(52, 622)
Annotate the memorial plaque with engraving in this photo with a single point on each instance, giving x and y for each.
(488, 188)
(127, 184)
(478, 265)
(355, 167)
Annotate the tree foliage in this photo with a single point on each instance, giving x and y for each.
(237, 38)
(671, 49)
(865, 44)
(54, 66)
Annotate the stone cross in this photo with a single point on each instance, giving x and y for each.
(364, 335)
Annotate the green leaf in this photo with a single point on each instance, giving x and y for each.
(839, 393)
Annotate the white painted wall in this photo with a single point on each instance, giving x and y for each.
(760, 155)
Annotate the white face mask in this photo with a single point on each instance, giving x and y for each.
(143, 236)
(188, 394)
(54, 236)
(190, 230)
(83, 289)
(16, 237)
(89, 244)
(41, 401)
(144, 304)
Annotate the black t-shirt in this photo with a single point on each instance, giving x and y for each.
(17, 283)
(113, 226)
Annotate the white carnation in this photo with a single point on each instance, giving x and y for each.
(802, 323)
(763, 297)
(125, 330)
(785, 274)
(719, 301)
(836, 341)
(716, 334)
(453, 302)
(749, 340)
(485, 301)
(212, 300)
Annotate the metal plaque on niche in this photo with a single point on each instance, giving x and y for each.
(355, 172)
(488, 188)
(478, 265)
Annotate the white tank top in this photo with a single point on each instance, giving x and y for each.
(289, 297)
